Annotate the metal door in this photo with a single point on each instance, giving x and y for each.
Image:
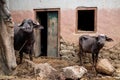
(52, 34)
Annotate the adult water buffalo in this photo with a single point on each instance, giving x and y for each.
(92, 44)
(24, 37)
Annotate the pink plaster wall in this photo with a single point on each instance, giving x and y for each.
(108, 22)
(68, 24)
(18, 16)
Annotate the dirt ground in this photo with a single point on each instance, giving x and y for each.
(22, 73)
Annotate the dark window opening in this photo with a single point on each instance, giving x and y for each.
(42, 16)
(86, 20)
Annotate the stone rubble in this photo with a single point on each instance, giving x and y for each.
(74, 72)
(43, 71)
(104, 66)
(69, 51)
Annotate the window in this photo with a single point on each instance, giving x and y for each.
(86, 19)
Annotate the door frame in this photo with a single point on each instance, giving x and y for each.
(51, 9)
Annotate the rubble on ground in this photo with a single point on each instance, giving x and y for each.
(104, 66)
(53, 68)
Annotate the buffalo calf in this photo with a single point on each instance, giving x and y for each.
(92, 44)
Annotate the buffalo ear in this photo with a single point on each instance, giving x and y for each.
(85, 38)
(37, 25)
(22, 23)
(109, 39)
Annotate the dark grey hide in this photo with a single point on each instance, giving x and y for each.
(92, 44)
(24, 37)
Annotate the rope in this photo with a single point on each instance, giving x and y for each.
(23, 45)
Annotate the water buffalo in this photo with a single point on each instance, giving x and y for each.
(92, 44)
(24, 37)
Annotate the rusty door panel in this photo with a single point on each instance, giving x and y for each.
(52, 34)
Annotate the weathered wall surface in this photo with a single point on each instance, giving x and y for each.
(63, 4)
(108, 23)
(108, 11)
(19, 15)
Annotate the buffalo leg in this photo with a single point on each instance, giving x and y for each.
(30, 55)
(80, 55)
(21, 56)
(93, 59)
(96, 58)
(93, 62)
